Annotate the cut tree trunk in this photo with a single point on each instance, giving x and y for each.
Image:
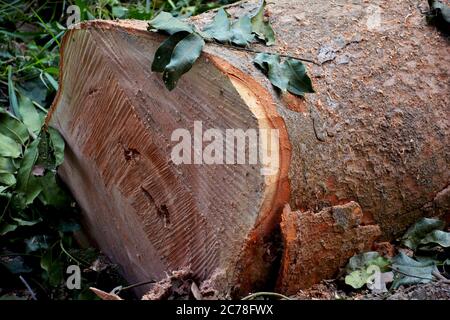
(375, 132)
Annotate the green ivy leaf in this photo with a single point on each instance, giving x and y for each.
(418, 231)
(360, 268)
(365, 259)
(165, 50)
(241, 32)
(58, 145)
(185, 53)
(357, 279)
(219, 29)
(290, 76)
(30, 115)
(271, 65)
(409, 271)
(164, 21)
(9, 147)
(299, 82)
(53, 268)
(262, 28)
(437, 236)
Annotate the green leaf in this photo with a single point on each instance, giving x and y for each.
(119, 11)
(290, 76)
(363, 260)
(53, 268)
(270, 64)
(299, 82)
(52, 194)
(437, 236)
(165, 50)
(58, 144)
(262, 28)
(6, 228)
(409, 271)
(13, 128)
(361, 268)
(9, 147)
(55, 273)
(33, 190)
(164, 21)
(241, 32)
(418, 231)
(219, 29)
(30, 115)
(3, 189)
(7, 165)
(26, 223)
(357, 279)
(14, 106)
(52, 81)
(26, 166)
(7, 179)
(184, 55)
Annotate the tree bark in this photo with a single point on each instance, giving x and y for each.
(375, 132)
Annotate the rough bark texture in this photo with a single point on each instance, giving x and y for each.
(376, 132)
(317, 244)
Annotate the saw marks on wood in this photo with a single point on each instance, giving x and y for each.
(117, 119)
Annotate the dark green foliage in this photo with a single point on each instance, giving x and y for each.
(183, 57)
(287, 76)
(176, 55)
(261, 26)
(430, 246)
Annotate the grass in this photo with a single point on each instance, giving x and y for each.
(38, 217)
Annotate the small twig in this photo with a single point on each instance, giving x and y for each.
(138, 284)
(33, 295)
(234, 4)
(119, 289)
(261, 294)
(80, 261)
(257, 51)
(410, 275)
